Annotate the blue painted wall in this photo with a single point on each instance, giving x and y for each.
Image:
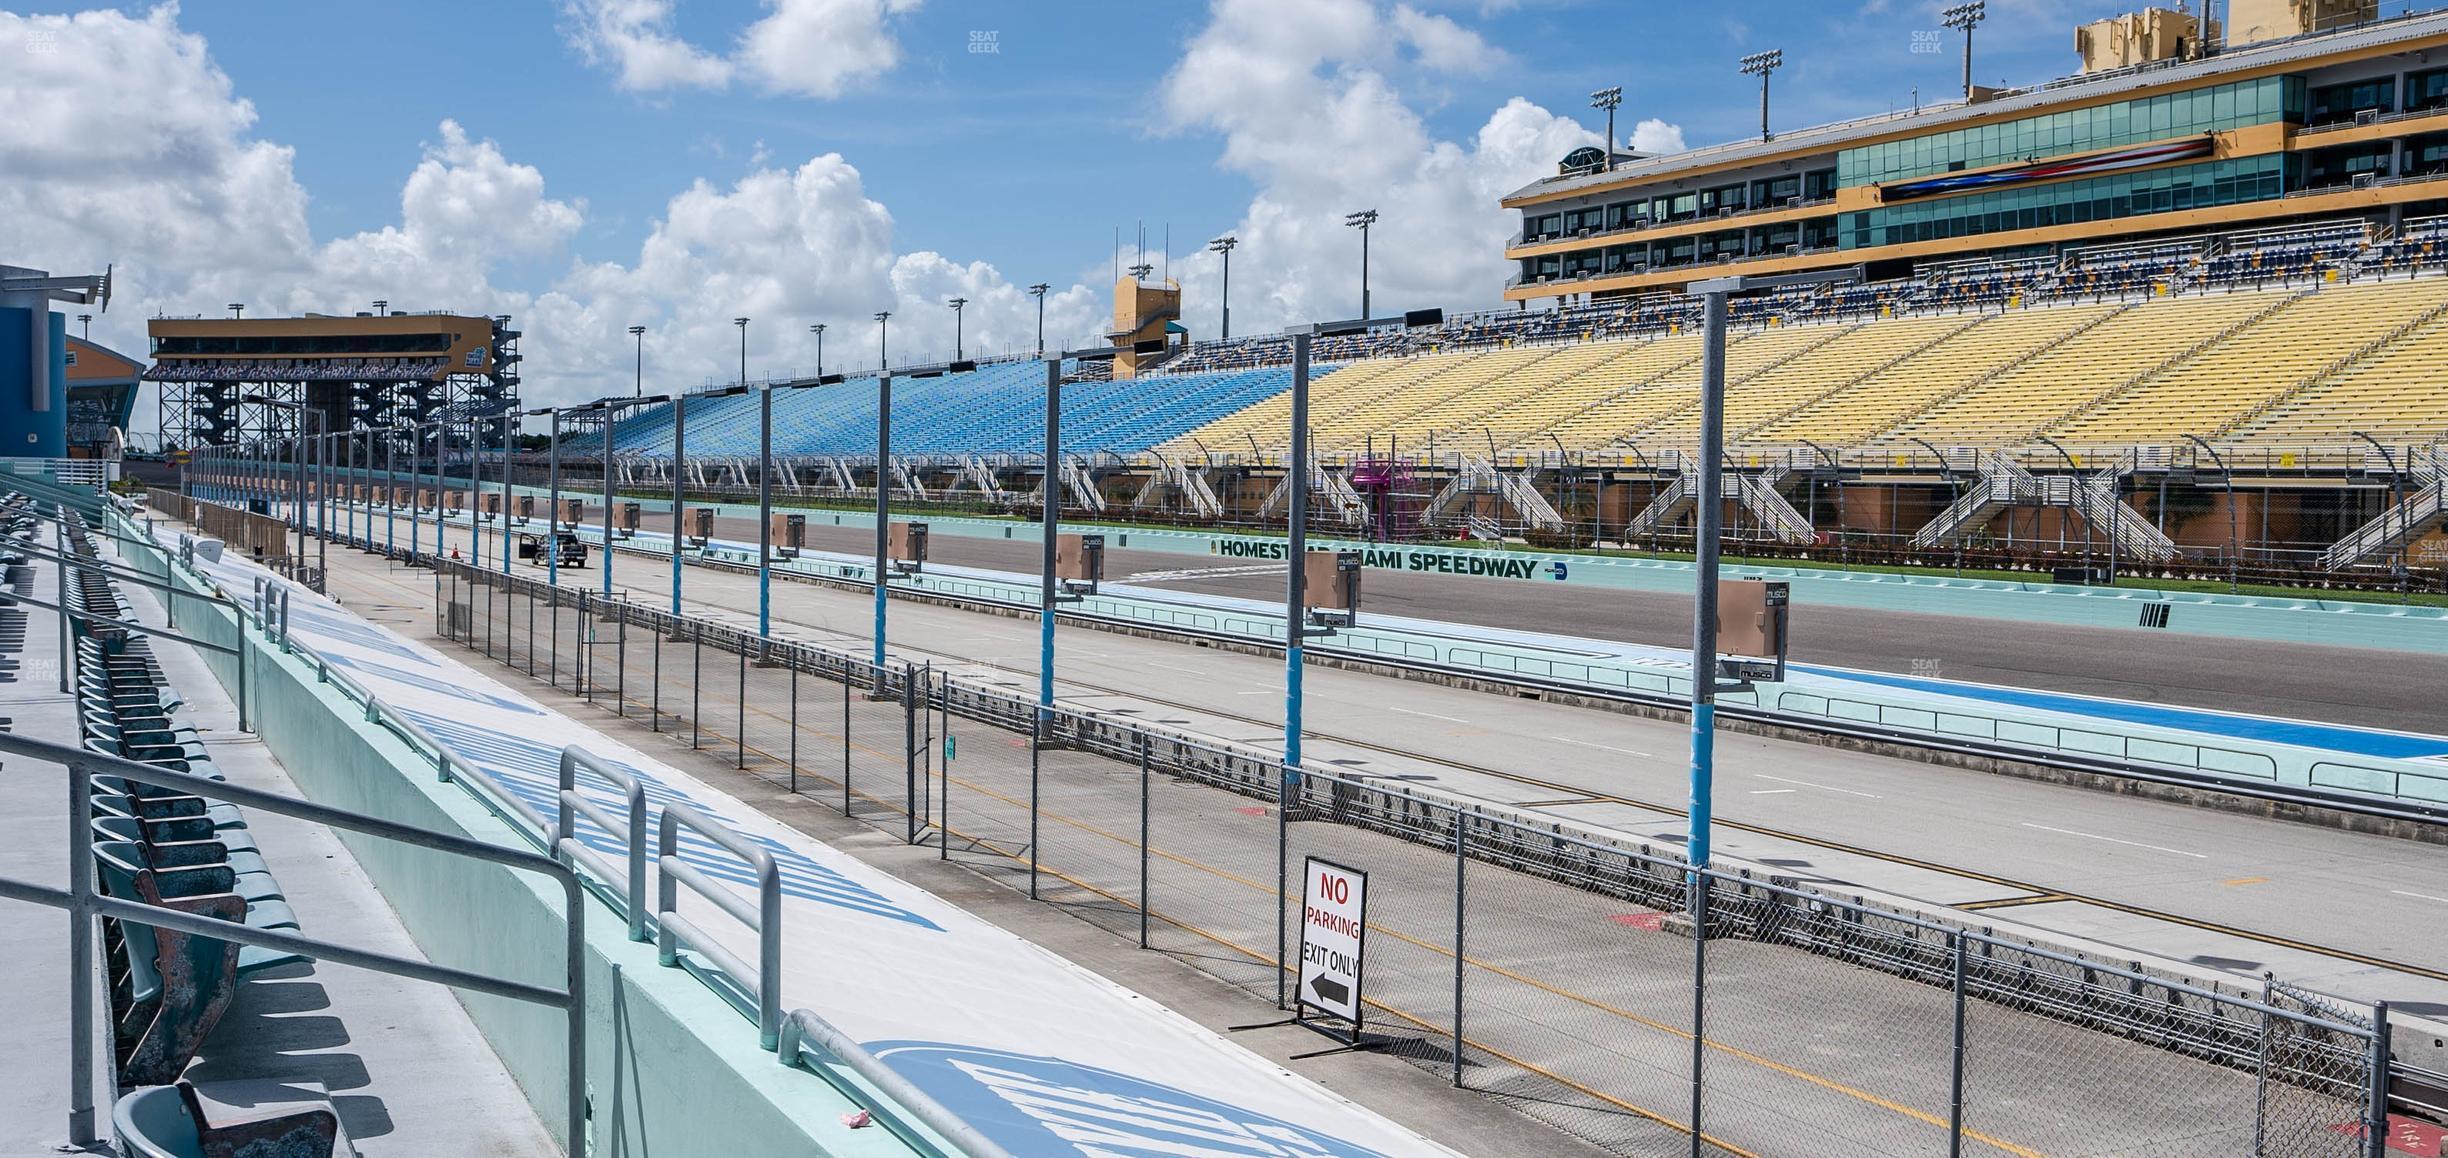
(25, 431)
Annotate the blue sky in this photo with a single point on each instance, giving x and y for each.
(564, 193)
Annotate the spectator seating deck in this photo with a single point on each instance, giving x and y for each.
(2009, 407)
(2257, 364)
(2395, 396)
(1935, 373)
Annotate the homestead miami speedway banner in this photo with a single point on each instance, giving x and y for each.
(1040, 1054)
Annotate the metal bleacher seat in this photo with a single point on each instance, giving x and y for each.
(254, 1118)
(160, 847)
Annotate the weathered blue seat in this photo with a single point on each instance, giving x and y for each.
(288, 1119)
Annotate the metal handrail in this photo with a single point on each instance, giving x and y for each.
(82, 899)
(674, 932)
(565, 842)
(803, 1026)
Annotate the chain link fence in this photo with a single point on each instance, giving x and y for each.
(1587, 980)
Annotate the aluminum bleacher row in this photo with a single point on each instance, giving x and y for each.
(151, 846)
(2302, 335)
(2309, 332)
(994, 409)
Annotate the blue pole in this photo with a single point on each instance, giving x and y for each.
(1050, 524)
(508, 440)
(1296, 480)
(390, 495)
(611, 416)
(764, 506)
(679, 450)
(883, 506)
(552, 504)
(1709, 517)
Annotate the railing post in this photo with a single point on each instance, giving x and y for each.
(1461, 846)
(792, 661)
(846, 736)
(910, 744)
(81, 962)
(1955, 1076)
(2375, 1115)
(1143, 839)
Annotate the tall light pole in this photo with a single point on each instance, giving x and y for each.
(85, 321)
(1224, 245)
(742, 323)
(1965, 16)
(1361, 221)
(883, 508)
(1608, 99)
(509, 441)
(382, 307)
(1039, 292)
(1760, 64)
(959, 307)
(237, 309)
(818, 329)
(639, 390)
(883, 339)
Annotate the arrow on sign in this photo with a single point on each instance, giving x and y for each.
(1329, 990)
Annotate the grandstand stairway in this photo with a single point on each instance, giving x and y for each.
(2005, 484)
(2426, 507)
(1758, 494)
(1174, 478)
(1342, 502)
(1520, 492)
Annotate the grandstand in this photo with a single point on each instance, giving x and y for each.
(2303, 351)
(374, 371)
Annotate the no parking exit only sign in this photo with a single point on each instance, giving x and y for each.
(1334, 937)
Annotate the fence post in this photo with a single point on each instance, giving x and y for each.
(1037, 725)
(846, 737)
(585, 652)
(909, 751)
(792, 661)
(1283, 852)
(1955, 1077)
(2261, 1064)
(657, 677)
(696, 684)
(620, 670)
(2375, 1118)
(1699, 1026)
(1461, 843)
(739, 757)
(1143, 839)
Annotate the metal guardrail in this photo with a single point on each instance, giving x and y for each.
(83, 900)
(675, 932)
(269, 614)
(632, 828)
(805, 1026)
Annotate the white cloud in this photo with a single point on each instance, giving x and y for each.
(1444, 45)
(809, 48)
(634, 38)
(818, 48)
(1656, 136)
(135, 149)
(1313, 115)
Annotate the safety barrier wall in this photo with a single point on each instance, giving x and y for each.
(673, 1070)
